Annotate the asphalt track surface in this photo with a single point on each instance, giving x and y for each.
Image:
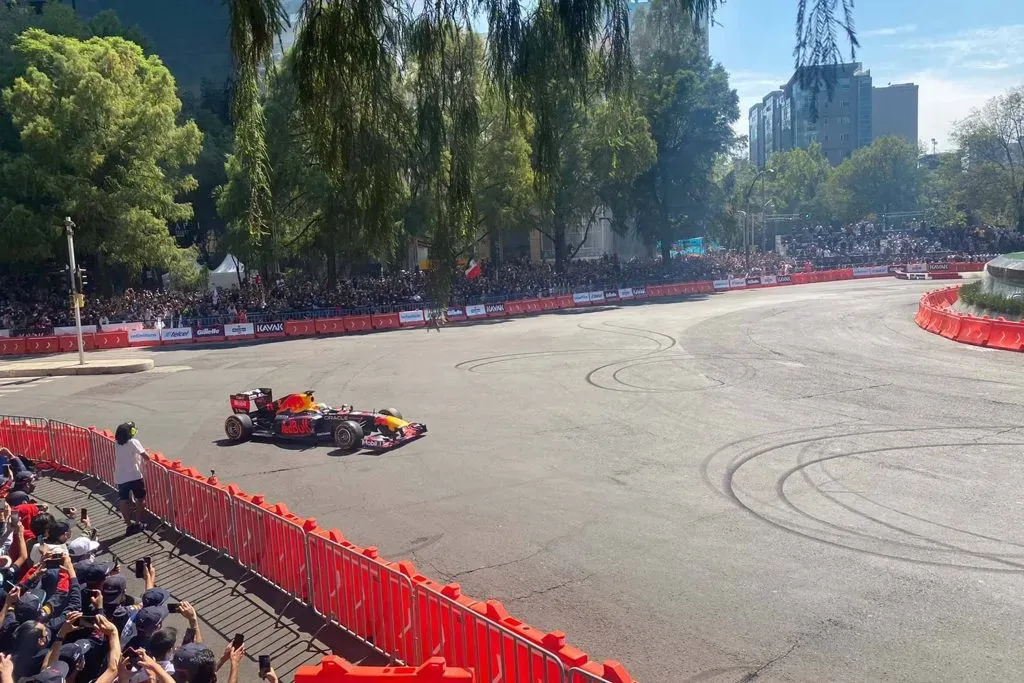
(789, 484)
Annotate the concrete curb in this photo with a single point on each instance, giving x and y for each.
(54, 368)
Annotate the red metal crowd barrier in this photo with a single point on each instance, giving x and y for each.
(330, 325)
(388, 605)
(333, 668)
(386, 321)
(358, 323)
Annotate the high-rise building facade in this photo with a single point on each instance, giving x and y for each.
(840, 119)
(894, 111)
(755, 139)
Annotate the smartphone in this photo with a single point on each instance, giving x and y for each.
(87, 622)
(54, 562)
(140, 569)
(85, 514)
(148, 560)
(264, 665)
(238, 640)
(172, 607)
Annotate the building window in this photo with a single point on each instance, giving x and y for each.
(844, 137)
(845, 104)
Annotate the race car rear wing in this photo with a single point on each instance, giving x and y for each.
(249, 401)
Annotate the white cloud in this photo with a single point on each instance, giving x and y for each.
(975, 48)
(888, 31)
(943, 100)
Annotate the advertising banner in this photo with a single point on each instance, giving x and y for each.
(596, 297)
(114, 327)
(175, 334)
(639, 292)
(917, 276)
(239, 330)
(271, 329)
(879, 270)
(476, 311)
(581, 298)
(738, 283)
(753, 281)
(612, 295)
(862, 271)
(5, 333)
(917, 267)
(720, 284)
(785, 279)
(455, 313)
(209, 331)
(143, 336)
(938, 266)
(410, 317)
(626, 293)
(494, 309)
(69, 331)
(769, 280)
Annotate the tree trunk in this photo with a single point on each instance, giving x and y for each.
(666, 253)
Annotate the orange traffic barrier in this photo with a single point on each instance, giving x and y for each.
(330, 325)
(386, 321)
(271, 542)
(333, 668)
(974, 330)
(72, 448)
(514, 308)
(12, 346)
(564, 301)
(951, 326)
(358, 323)
(300, 328)
(203, 512)
(70, 342)
(42, 345)
(1006, 335)
(111, 340)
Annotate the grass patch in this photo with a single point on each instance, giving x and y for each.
(972, 295)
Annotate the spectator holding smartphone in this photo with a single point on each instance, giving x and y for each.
(131, 488)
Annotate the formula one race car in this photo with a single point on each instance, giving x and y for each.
(300, 417)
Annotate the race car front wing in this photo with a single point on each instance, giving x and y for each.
(381, 442)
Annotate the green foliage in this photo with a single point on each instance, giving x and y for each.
(690, 107)
(881, 178)
(972, 294)
(99, 142)
(797, 180)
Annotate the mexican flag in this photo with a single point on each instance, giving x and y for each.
(473, 271)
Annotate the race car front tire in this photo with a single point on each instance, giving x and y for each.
(238, 427)
(348, 435)
(393, 412)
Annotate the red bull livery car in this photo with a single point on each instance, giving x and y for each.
(300, 417)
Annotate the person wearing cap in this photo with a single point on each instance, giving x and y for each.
(131, 487)
(195, 663)
(83, 549)
(15, 550)
(55, 542)
(73, 656)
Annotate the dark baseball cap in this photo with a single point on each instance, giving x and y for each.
(73, 654)
(188, 658)
(24, 476)
(113, 589)
(30, 605)
(150, 619)
(58, 673)
(155, 597)
(92, 572)
(16, 498)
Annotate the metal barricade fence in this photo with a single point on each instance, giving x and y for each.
(71, 446)
(203, 512)
(102, 467)
(28, 436)
(468, 639)
(271, 546)
(365, 597)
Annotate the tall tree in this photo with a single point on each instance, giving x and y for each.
(881, 178)
(992, 143)
(796, 177)
(100, 142)
(690, 107)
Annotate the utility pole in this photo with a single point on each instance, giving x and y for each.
(69, 232)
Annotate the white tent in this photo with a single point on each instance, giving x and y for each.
(227, 274)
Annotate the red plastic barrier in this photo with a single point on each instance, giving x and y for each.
(937, 321)
(42, 345)
(203, 511)
(12, 346)
(564, 301)
(801, 278)
(950, 326)
(531, 306)
(70, 342)
(300, 328)
(655, 291)
(1006, 335)
(28, 436)
(386, 321)
(506, 649)
(158, 486)
(102, 448)
(332, 668)
(974, 331)
(330, 325)
(514, 308)
(358, 323)
(440, 610)
(608, 670)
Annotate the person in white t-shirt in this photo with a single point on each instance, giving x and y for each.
(131, 488)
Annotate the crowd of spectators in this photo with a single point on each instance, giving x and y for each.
(23, 307)
(66, 615)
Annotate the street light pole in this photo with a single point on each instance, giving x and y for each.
(746, 202)
(69, 232)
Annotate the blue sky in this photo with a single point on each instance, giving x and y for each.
(959, 53)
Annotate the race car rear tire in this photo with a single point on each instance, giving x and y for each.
(348, 435)
(238, 427)
(393, 412)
